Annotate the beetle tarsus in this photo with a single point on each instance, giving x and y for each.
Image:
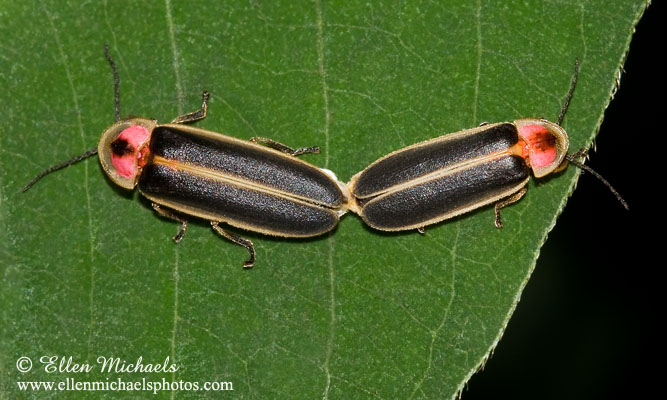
(304, 150)
(181, 232)
(174, 217)
(195, 115)
(421, 230)
(284, 148)
(238, 240)
(499, 220)
(506, 202)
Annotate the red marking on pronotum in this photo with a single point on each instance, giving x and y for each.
(540, 145)
(129, 150)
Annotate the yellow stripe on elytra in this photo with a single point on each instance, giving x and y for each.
(442, 172)
(234, 180)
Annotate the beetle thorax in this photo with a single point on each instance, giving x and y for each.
(129, 151)
(545, 145)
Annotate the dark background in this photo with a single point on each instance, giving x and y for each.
(585, 325)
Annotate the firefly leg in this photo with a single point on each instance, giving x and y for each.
(506, 202)
(238, 240)
(422, 230)
(170, 215)
(285, 149)
(195, 115)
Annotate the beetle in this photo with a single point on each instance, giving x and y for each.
(257, 185)
(441, 178)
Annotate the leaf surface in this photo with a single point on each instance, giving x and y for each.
(88, 270)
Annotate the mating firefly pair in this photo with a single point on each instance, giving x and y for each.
(260, 185)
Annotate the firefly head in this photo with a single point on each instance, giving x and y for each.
(123, 150)
(544, 145)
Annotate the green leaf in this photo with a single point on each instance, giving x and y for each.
(89, 271)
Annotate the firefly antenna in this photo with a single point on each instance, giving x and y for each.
(572, 158)
(59, 166)
(116, 81)
(582, 152)
(573, 84)
(91, 152)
